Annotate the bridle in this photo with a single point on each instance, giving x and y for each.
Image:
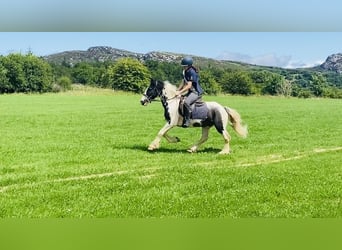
(160, 94)
(147, 98)
(150, 99)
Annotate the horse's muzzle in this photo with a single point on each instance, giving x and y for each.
(144, 101)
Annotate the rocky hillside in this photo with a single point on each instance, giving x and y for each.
(333, 63)
(104, 53)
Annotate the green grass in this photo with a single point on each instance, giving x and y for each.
(84, 154)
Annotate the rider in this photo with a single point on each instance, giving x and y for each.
(190, 88)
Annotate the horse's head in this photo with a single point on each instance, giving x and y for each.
(153, 91)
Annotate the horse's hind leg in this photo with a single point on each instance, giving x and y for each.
(226, 148)
(204, 138)
(156, 142)
(171, 139)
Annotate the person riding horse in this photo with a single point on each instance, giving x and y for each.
(190, 88)
(218, 116)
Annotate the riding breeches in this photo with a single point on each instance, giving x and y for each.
(190, 99)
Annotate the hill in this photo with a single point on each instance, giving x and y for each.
(94, 65)
(105, 53)
(333, 63)
(303, 80)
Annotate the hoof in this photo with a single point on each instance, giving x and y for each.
(151, 148)
(224, 153)
(177, 139)
(192, 150)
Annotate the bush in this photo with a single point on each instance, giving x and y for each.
(64, 82)
(305, 94)
(237, 83)
(24, 73)
(208, 83)
(129, 75)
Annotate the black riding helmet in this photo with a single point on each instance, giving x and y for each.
(187, 61)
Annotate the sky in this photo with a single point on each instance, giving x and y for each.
(281, 49)
(175, 15)
(282, 33)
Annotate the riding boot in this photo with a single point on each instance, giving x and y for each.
(186, 115)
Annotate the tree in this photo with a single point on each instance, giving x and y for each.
(237, 82)
(208, 83)
(285, 88)
(5, 86)
(13, 65)
(156, 70)
(260, 80)
(318, 84)
(129, 75)
(25, 73)
(275, 85)
(83, 73)
(165, 71)
(60, 70)
(37, 73)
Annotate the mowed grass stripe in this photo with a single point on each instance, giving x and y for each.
(266, 160)
(270, 159)
(75, 178)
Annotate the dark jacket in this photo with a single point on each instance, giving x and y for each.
(192, 75)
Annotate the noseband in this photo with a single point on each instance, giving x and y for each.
(147, 98)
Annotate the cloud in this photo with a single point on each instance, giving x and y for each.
(299, 64)
(270, 59)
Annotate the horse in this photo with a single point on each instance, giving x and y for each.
(215, 115)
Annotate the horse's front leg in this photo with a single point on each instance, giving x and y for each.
(156, 142)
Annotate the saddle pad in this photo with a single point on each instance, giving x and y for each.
(200, 111)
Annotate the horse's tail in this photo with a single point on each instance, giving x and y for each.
(236, 122)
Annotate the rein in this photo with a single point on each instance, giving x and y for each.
(169, 99)
(165, 97)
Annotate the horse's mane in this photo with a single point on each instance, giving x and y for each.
(170, 88)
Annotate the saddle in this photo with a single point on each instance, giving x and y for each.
(199, 109)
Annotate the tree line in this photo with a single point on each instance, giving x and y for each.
(29, 73)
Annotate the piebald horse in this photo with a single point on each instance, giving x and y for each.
(217, 115)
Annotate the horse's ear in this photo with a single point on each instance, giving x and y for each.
(152, 82)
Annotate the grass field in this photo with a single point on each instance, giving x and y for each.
(83, 154)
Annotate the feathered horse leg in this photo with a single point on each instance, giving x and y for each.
(226, 147)
(204, 138)
(155, 144)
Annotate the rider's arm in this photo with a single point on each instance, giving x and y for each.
(181, 85)
(184, 88)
